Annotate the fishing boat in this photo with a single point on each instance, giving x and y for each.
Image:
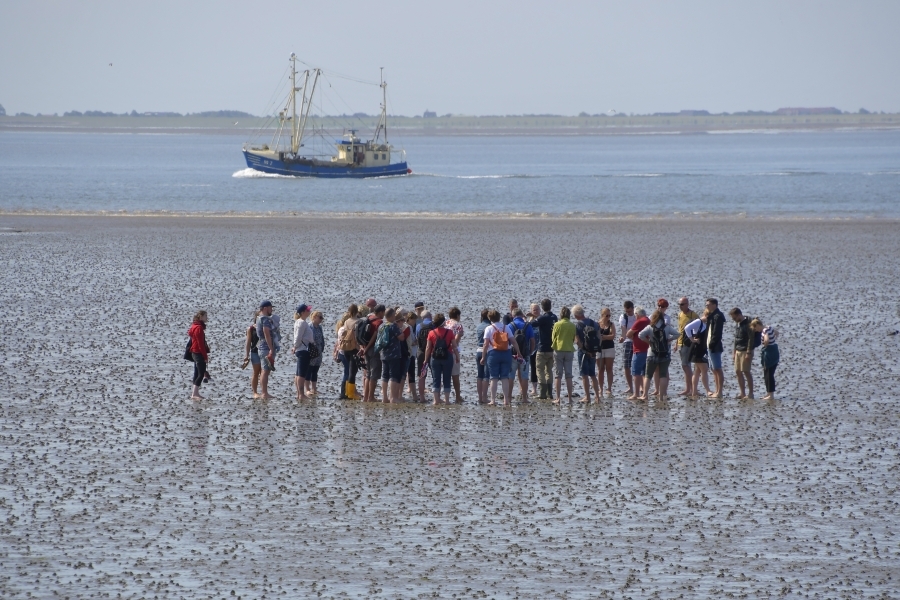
(352, 156)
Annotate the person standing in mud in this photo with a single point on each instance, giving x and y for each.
(251, 355)
(199, 352)
(626, 322)
(715, 326)
(267, 346)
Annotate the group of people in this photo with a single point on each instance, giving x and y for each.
(535, 348)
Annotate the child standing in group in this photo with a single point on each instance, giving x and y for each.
(769, 356)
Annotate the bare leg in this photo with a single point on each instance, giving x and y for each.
(688, 378)
(629, 381)
(507, 391)
(719, 377)
(301, 388)
(558, 389)
(740, 378)
(663, 388)
(493, 390)
(749, 377)
(254, 380)
(264, 384)
(569, 388)
(586, 384)
(455, 379)
(523, 383)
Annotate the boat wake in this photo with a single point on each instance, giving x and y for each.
(249, 173)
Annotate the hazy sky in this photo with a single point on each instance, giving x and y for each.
(461, 57)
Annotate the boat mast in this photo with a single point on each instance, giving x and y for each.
(382, 121)
(294, 103)
(308, 105)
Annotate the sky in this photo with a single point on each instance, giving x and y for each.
(488, 57)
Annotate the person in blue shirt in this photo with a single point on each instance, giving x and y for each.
(423, 328)
(523, 333)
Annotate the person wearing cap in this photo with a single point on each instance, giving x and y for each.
(303, 336)
(662, 305)
(419, 308)
(267, 345)
(715, 326)
(371, 303)
(199, 351)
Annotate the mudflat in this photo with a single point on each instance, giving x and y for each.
(113, 482)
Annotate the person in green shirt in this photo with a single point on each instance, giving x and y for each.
(563, 351)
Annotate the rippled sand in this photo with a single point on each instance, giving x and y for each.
(115, 484)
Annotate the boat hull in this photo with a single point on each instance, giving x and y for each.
(278, 167)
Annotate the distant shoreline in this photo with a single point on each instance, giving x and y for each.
(466, 126)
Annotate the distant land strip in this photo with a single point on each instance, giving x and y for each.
(685, 122)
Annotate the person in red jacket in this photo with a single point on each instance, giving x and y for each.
(199, 351)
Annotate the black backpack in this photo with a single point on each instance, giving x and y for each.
(440, 351)
(591, 338)
(361, 331)
(659, 341)
(521, 340)
(422, 336)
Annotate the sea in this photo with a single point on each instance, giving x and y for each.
(845, 174)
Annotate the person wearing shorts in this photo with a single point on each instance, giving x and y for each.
(626, 322)
(563, 342)
(497, 352)
(266, 346)
(393, 357)
(639, 357)
(456, 327)
(607, 355)
(251, 355)
(483, 379)
(743, 352)
(544, 355)
(587, 361)
(521, 362)
(715, 326)
(683, 344)
(696, 332)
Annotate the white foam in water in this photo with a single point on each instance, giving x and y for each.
(249, 173)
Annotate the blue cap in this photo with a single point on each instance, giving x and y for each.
(303, 308)
(264, 304)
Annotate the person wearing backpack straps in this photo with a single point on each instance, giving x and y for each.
(626, 322)
(422, 331)
(544, 356)
(696, 332)
(563, 337)
(251, 355)
(366, 335)
(483, 379)
(391, 344)
(412, 345)
(497, 355)
(348, 347)
(587, 340)
(658, 335)
(303, 337)
(199, 351)
(524, 336)
(531, 318)
(743, 352)
(440, 354)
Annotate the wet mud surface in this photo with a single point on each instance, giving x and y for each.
(114, 484)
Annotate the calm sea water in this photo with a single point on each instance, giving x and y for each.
(841, 174)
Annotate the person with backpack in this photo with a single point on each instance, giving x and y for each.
(626, 322)
(639, 356)
(497, 352)
(523, 333)
(365, 331)
(563, 342)
(251, 354)
(743, 352)
(440, 354)
(199, 351)
(531, 318)
(715, 328)
(453, 324)
(587, 340)
(683, 343)
(769, 355)
(348, 348)
(390, 344)
(303, 337)
(658, 334)
(544, 356)
(696, 332)
(267, 332)
(607, 355)
(422, 331)
(482, 379)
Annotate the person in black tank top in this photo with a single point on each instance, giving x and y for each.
(251, 355)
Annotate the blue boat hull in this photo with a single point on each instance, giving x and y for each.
(277, 167)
